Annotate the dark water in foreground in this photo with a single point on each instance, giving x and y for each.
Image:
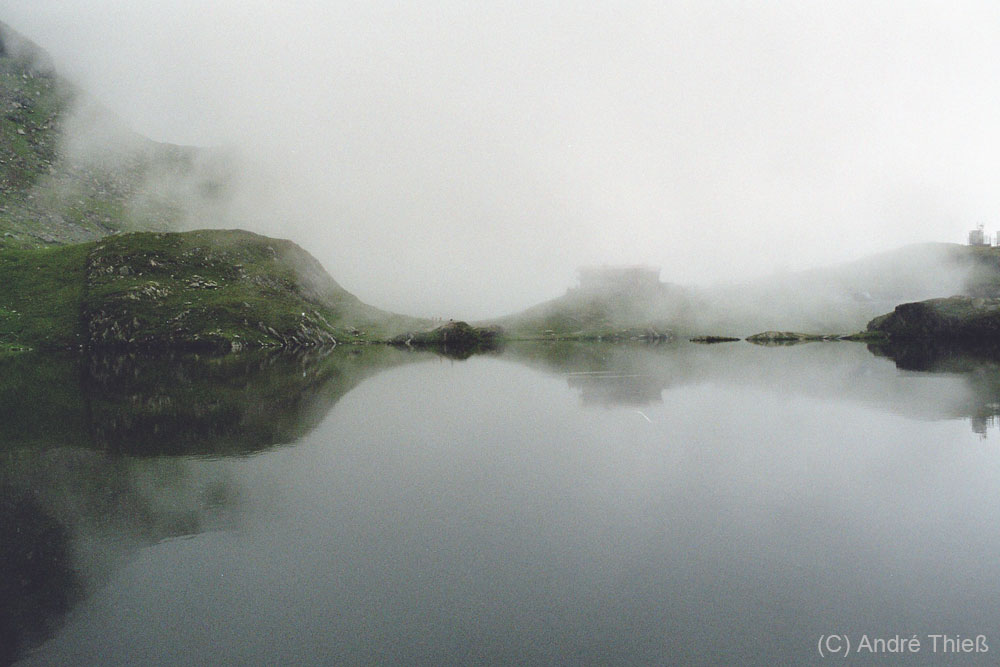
(550, 504)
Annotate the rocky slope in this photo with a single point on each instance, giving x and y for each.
(74, 180)
(955, 318)
(221, 290)
(70, 171)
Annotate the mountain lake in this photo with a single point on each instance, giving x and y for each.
(546, 504)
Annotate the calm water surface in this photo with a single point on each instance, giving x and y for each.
(553, 504)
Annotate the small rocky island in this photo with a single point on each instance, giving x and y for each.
(453, 335)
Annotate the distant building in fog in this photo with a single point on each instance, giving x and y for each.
(618, 278)
(978, 237)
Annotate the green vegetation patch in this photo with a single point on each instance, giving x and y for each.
(213, 289)
(206, 289)
(41, 292)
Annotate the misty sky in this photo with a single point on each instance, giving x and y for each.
(462, 159)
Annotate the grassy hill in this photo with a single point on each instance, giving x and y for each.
(844, 297)
(72, 173)
(211, 289)
(88, 256)
(840, 298)
(610, 313)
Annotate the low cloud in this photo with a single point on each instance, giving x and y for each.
(450, 160)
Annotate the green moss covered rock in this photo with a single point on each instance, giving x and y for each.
(952, 318)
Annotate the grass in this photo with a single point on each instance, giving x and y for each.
(206, 289)
(33, 104)
(41, 293)
(216, 288)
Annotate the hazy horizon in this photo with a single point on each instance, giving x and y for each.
(451, 161)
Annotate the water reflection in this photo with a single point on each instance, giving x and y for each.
(178, 403)
(607, 374)
(637, 375)
(609, 388)
(90, 470)
(477, 493)
(79, 514)
(38, 582)
(977, 364)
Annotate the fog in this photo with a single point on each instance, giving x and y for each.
(462, 160)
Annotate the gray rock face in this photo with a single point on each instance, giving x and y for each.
(952, 318)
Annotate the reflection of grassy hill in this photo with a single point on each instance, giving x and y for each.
(38, 583)
(976, 358)
(41, 399)
(835, 373)
(88, 474)
(232, 404)
(208, 289)
(177, 403)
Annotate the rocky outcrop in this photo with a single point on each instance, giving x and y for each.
(647, 334)
(953, 318)
(607, 335)
(787, 338)
(708, 340)
(455, 335)
(220, 290)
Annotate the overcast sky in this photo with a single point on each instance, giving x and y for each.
(462, 159)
